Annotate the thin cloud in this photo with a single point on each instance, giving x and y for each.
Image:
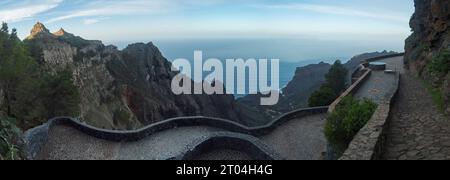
(336, 10)
(93, 20)
(23, 11)
(105, 8)
(114, 8)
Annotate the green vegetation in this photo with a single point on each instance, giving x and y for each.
(121, 116)
(437, 95)
(439, 67)
(323, 97)
(59, 96)
(345, 122)
(30, 95)
(74, 40)
(440, 63)
(337, 77)
(9, 139)
(336, 83)
(419, 51)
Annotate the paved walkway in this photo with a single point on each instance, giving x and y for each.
(417, 129)
(224, 154)
(68, 143)
(297, 139)
(380, 85)
(300, 139)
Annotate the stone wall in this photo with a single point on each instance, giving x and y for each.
(370, 137)
(357, 73)
(250, 145)
(351, 90)
(384, 57)
(37, 137)
(368, 143)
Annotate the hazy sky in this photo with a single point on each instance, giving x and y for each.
(128, 20)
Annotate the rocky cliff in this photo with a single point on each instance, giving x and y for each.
(428, 48)
(122, 89)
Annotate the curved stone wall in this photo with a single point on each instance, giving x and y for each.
(357, 72)
(351, 90)
(368, 143)
(359, 76)
(35, 138)
(234, 141)
(384, 57)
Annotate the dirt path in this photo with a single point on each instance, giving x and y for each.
(417, 129)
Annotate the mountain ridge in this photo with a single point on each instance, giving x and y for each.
(123, 89)
(130, 88)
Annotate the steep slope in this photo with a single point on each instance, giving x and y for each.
(122, 89)
(147, 76)
(428, 48)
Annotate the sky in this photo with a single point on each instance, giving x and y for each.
(377, 23)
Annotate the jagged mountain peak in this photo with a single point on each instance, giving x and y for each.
(39, 27)
(37, 30)
(40, 32)
(60, 32)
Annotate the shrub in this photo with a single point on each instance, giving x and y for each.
(346, 121)
(121, 116)
(440, 63)
(336, 83)
(436, 94)
(30, 93)
(323, 97)
(337, 77)
(9, 139)
(59, 95)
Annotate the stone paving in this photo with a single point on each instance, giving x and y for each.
(381, 85)
(297, 139)
(300, 139)
(68, 143)
(224, 154)
(417, 129)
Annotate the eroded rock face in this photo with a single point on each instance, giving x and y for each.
(123, 89)
(431, 35)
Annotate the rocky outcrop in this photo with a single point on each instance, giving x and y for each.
(123, 89)
(430, 38)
